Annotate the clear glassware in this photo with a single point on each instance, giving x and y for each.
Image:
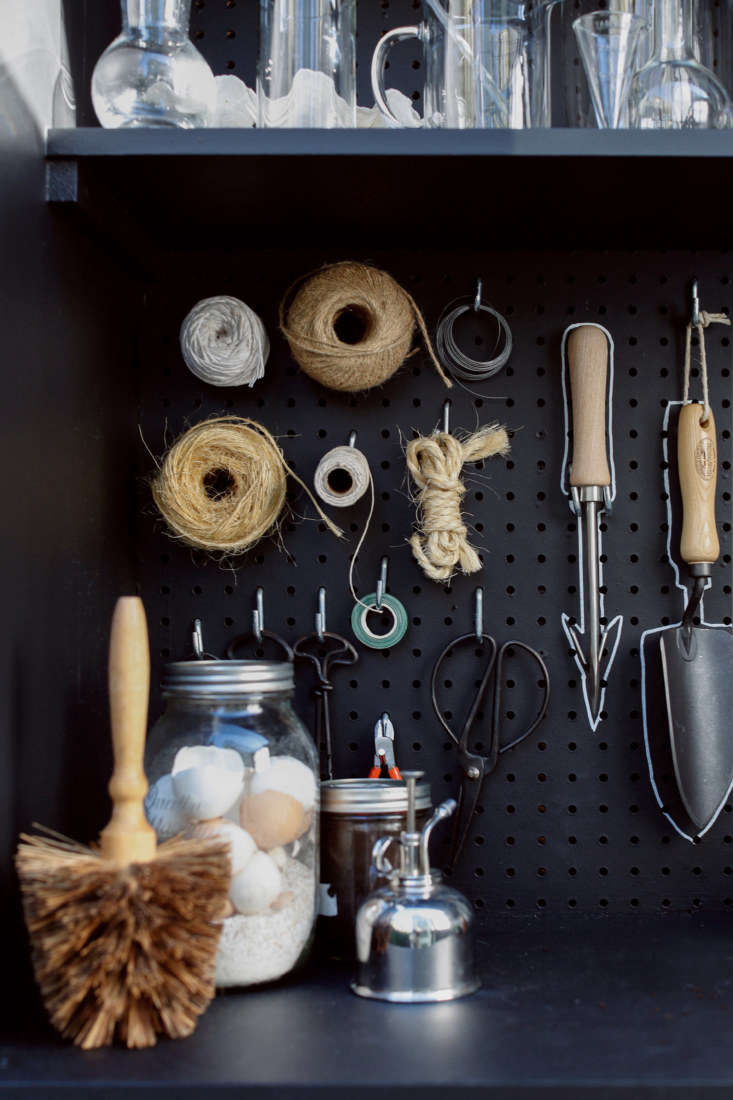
(487, 63)
(673, 90)
(152, 74)
(306, 73)
(608, 43)
(230, 757)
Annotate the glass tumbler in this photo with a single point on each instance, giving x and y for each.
(486, 63)
(152, 74)
(306, 73)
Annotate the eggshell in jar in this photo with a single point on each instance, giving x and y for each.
(207, 780)
(279, 857)
(241, 845)
(256, 887)
(289, 776)
(272, 818)
(163, 810)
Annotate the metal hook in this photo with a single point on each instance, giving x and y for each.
(381, 583)
(352, 439)
(321, 615)
(258, 616)
(198, 640)
(478, 614)
(695, 304)
(477, 299)
(446, 415)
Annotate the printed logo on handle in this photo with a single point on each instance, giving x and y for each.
(705, 458)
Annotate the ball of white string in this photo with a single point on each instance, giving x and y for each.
(224, 342)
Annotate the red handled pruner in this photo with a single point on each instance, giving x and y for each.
(384, 750)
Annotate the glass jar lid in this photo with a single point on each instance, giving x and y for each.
(203, 678)
(371, 796)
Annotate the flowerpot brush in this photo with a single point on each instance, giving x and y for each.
(124, 935)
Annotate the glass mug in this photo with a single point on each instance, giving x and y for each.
(487, 63)
(306, 75)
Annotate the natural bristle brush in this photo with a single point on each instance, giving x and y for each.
(124, 935)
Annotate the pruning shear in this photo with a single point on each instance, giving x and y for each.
(384, 749)
(474, 767)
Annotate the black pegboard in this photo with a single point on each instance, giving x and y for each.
(568, 820)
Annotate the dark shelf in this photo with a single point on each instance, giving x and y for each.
(589, 1007)
(608, 189)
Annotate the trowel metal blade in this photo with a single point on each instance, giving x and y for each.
(698, 685)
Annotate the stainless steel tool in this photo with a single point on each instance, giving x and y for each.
(414, 937)
(591, 494)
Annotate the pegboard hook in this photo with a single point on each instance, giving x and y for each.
(352, 439)
(381, 583)
(258, 616)
(695, 303)
(478, 614)
(477, 299)
(321, 615)
(198, 640)
(446, 415)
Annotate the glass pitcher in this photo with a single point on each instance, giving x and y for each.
(306, 75)
(487, 63)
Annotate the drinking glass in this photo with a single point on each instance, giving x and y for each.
(486, 63)
(608, 42)
(306, 74)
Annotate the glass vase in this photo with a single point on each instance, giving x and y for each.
(152, 74)
(673, 91)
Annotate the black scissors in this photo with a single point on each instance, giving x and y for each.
(475, 767)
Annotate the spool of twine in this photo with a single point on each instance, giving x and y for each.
(435, 462)
(222, 485)
(342, 477)
(350, 327)
(224, 343)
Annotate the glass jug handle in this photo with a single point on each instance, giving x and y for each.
(379, 60)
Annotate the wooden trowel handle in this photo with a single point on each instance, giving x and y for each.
(588, 370)
(128, 838)
(697, 459)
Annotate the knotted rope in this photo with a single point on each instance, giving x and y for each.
(435, 464)
(704, 320)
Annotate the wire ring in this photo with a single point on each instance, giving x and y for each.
(367, 637)
(460, 365)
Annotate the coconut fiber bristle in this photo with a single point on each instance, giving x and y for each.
(123, 952)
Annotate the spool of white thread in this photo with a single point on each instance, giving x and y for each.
(342, 477)
(224, 342)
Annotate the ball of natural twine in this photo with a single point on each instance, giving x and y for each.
(222, 485)
(224, 342)
(384, 311)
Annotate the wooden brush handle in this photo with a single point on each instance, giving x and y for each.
(588, 369)
(697, 460)
(128, 838)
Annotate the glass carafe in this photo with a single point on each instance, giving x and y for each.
(306, 75)
(152, 74)
(673, 90)
(487, 63)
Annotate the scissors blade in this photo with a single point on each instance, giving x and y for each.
(474, 773)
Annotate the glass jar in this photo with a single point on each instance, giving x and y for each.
(356, 814)
(230, 757)
(152, 74)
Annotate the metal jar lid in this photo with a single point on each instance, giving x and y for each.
(371, 796)
(206, 678)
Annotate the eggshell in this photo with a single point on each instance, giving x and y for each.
(256, 887)
(279, 857)
(227, 910)
(283, 901)
(272, 818)
(289, 776)
(207, 780)
(163, 810)
(241, 845)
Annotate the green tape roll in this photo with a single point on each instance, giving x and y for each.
(360, 618)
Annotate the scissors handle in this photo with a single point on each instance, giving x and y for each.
(480, 693)
(499, 690)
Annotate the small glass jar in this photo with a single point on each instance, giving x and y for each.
(230, 757)
(356, 814)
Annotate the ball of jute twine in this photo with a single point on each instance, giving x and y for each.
(222, 485)
(310, 314)
(435, 463)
